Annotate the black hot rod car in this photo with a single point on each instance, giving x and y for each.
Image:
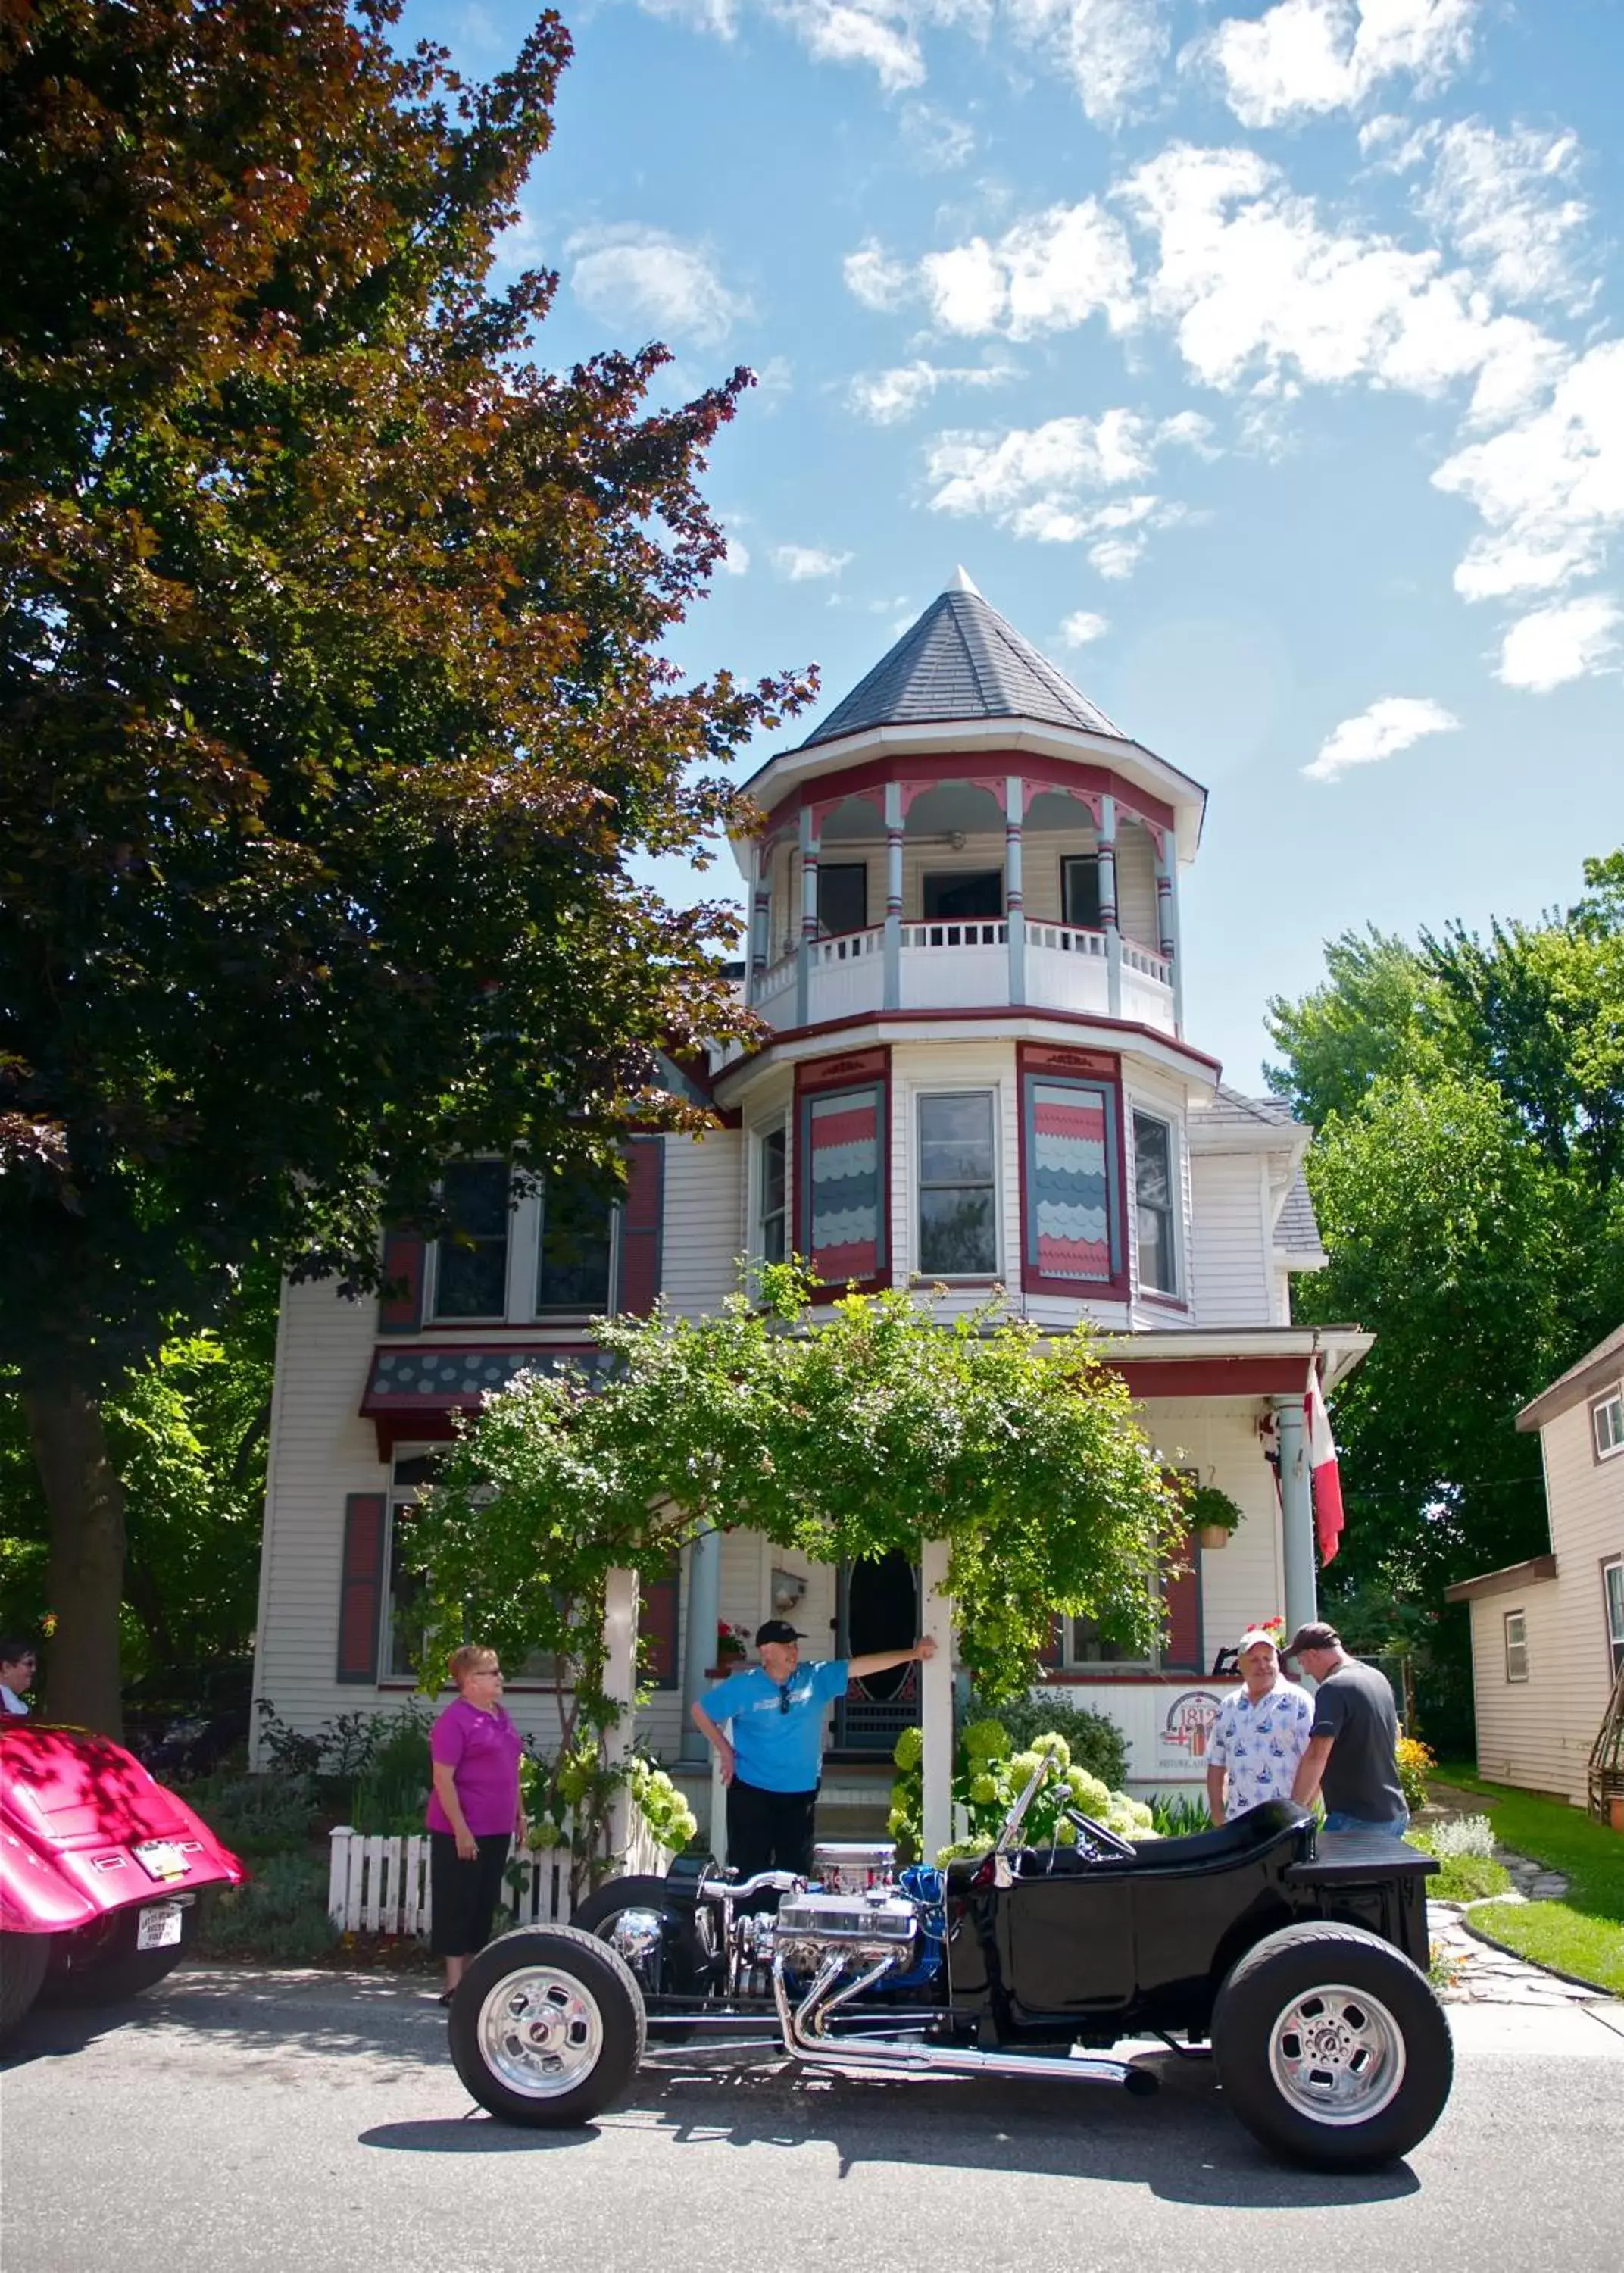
(1300, 1957)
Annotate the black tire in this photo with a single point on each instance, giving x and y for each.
(1331, 2047)
(23, 1960)
(106, 1968)
(679, 1967)
(547, 2027)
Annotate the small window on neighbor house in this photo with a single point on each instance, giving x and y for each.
(1079, 891)
(470, 1271)
(1153, 1201)
(1607, 1424)
(1612, 1587)
(575, 1246)
(842, 897)
(958, 1215)
(1516, 1646)
(770, 1204)
(961, 898)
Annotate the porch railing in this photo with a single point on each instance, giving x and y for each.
(380, 1885)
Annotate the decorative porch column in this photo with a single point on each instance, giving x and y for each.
(810, 844)
(1167, 920)
(1296, 1513)
(1108, 904)
(936, 1701)
(620, 1686)
(699, 1636)
(1014, 812)
(893, 995)
(761, 902)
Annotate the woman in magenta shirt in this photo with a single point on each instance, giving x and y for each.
(474, 1810)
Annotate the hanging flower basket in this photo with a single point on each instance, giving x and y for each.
(1213, 1518)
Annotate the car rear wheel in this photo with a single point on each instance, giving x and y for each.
(23, 1960)
(1332, 2048)
(547, 2027)
(658, 1938)
(104, 1966)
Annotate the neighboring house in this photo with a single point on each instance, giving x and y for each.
(1547, 1635)
(964, 938)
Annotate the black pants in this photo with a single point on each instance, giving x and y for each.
(769, 1830)
(462, 1895)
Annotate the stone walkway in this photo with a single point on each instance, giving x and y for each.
(1483, 1975)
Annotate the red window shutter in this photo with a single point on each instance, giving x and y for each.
(658, 1608)
(1181, 1650)
(360, 1584)
(641, 1214)
(1054, 1651)
(399, 1311)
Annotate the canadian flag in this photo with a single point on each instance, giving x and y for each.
(1322, 1465)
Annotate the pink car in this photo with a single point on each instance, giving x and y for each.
(101, 1869)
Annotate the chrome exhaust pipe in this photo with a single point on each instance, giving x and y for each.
(869, 2057)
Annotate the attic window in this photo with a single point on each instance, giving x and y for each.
(1516, 1646)
(1607, 1424)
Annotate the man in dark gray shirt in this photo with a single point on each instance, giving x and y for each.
(1352, 1756)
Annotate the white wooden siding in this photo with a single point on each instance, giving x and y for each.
(1231, 1276)
(702, 1228)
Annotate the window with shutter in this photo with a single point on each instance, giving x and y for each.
(361, 1579)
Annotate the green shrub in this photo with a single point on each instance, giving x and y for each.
(1468, 1879)
(277, 1917)
(1093, 1742)
(1177, 1816)
(392, 1791)
(1457, 1834)
(987, 1779)
(257, 1815)
(1414, 1764)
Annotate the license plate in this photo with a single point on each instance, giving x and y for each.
(160, 1858)
(158, 1926)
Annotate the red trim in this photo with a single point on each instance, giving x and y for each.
(361, 1579)
(976, 769)
(856, 1069)
(640, 1224)
(1076, 1065)
(1210, 1377)
(1003, 1012)
(1071, 1676)
(848, 1072)
(399, 1311)
(1153, 1301)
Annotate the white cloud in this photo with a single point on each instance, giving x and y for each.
(630, 273)
(1304, 58)
(838, 34)
(1110, 50)
(1252, 281)
(1552, 645)
(803, 564)
(875, 279)
(1082, 626)
(1043, 482)
(886, 397)
(736, 559)
(1390, 725)
(1551, 488)
(1504, 201)
(717, 16)
(936, 142)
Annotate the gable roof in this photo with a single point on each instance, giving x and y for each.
(1598, 1368)
(961, 660)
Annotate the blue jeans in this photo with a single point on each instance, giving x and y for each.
(1336, 1820)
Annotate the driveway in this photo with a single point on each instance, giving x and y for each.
(240, 2119)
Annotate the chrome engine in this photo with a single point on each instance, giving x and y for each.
(861, 1928)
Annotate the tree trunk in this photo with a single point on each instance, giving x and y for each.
(87, 1503)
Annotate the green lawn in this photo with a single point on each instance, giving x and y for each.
(1583, 1935)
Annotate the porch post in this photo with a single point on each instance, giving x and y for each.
(1296, 1513)
(936, 1699)
(809, 918)
(1167, 921)
(699, 1635)
(1108, 904)
(760, 871)
(1014, 813)
(620, 1686)
(893, 996)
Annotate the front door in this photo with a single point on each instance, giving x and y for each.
(878, 1610)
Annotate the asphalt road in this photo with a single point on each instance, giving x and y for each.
(240, 2120)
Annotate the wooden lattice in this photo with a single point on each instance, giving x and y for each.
(1606, 1771)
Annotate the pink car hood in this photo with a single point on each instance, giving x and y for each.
(74, 1809)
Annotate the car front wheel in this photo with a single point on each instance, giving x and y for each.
(547, 2027)
(105, 1965)
(23, 1960)
(1332, 2048)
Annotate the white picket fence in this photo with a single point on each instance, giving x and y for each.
(378, 1885)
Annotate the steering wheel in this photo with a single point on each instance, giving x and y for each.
(1098, 1833)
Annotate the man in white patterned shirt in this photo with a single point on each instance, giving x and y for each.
(1261, 1733)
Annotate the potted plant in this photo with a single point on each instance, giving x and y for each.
(1213, 1516)
(730, 1643)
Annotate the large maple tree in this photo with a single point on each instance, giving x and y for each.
(334, 691)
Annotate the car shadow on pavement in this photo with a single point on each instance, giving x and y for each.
(1183, 2145)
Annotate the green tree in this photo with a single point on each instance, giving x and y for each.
(334, 694)
(1470, 1097)
(842, 1438)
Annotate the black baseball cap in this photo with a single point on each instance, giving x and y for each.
(778, 1630)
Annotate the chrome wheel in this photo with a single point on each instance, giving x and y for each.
(1336, 2054)
(541, 2031)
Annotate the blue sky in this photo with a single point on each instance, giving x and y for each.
(1263, 365)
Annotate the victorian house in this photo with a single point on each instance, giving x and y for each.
(965, 942)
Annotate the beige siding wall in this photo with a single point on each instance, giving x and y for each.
(1232, 1276)
(1521, 1734)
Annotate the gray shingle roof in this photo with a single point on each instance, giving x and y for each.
(960, 661)
(1297, 1231)
(1230, 1108)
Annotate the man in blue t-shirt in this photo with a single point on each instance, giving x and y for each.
(773, 1759)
